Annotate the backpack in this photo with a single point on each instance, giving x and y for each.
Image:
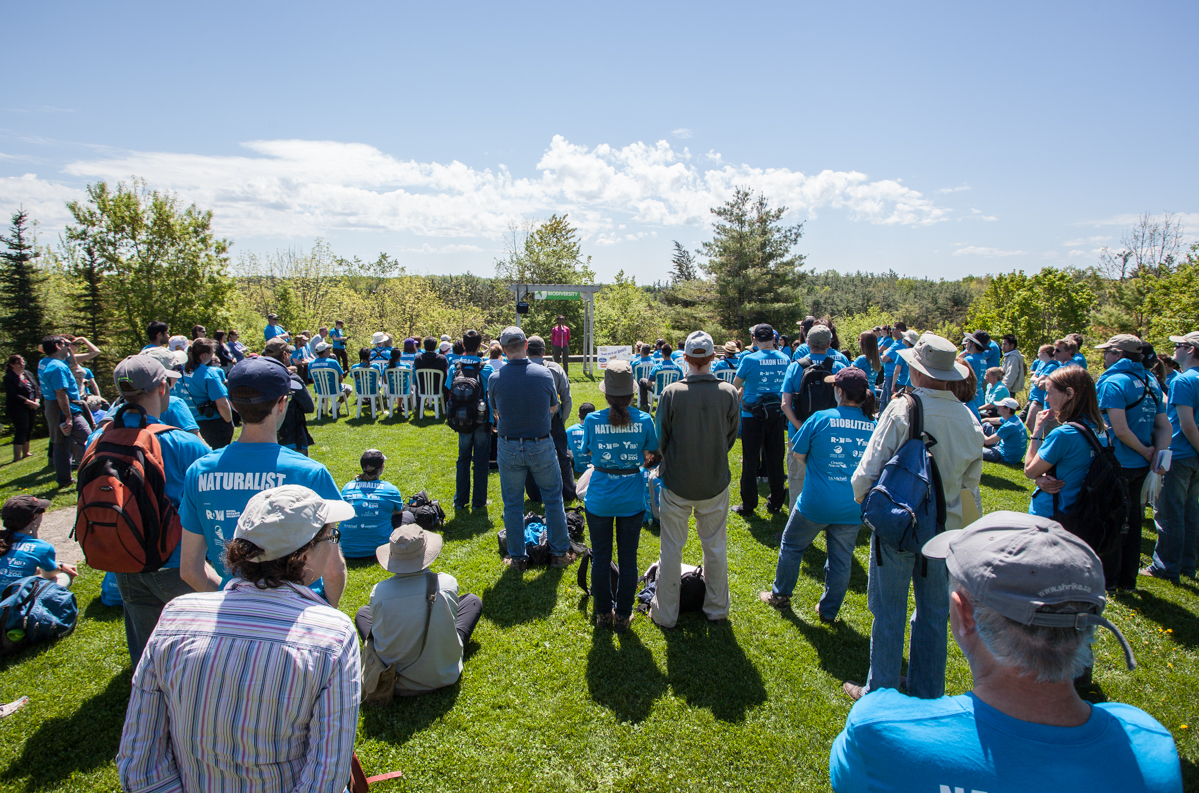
(576, 523)
(814, 394)
(906, 506)
(1099, 516)
(692, 588)
(769, 407)
(426, 512)
(124, 521)
(467, 410)
(582, 577)
(33, 610)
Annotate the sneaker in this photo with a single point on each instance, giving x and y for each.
(780, 602)
(518, 565)
(1150, 572)
(484, 505)
(565, 560)
(823, 618)
(853, 690)
(621, 624)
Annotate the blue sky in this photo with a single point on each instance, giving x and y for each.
(937, 139)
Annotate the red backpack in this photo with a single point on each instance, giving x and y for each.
(124, 522)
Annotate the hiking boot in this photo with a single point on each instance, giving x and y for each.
(518, 565)
(780, 602)
(824, 619)
(621, 624)
(604, 620)
(741, 509)
(853, 690)
(565, 560)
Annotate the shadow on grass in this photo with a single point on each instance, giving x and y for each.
(1182, 623)
(766, 531)
(844, 653)
(465, 525)
(622, 675)
(707, 667)
(86, 739)
(36, 483)
(1190, 774)
(999, 483)
(98, 612)
(406, 716)
(518, 598)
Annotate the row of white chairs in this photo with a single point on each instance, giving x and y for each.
(392, 389)
(668, 376)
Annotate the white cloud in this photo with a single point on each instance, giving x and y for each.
(682, 133)
(990, 253)
(427, 248)
(45, 201)
(977, 214)
(1084, 241)
(302, 188)
(958, 189)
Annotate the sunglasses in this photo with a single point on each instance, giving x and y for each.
(334, 538)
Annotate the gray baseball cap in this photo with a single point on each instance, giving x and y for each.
(283, 519)
(698, 345)
(820, 336)
(1016, 563)
(511, 335)
(139, 374)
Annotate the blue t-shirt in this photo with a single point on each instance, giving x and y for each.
(885, 346)
(653, 493)
(328, 362)
(795, 373)
(179, 450)
(205, 384)
(761, 372)
(27, 554)
(903, 744)
(53, 374)
(978, 362)
(664, 366)
(1124, 383)
(574, 440)
(614, 495)
(1183, 391)
(1013, 439)
(337, 337)
(720, 366)
(374, 502)
(1036, 394)
(863, 363)
(177, 415)
(676, 356)
(993, 354)
(834, 441)
(805, 350)
(996, 393)
(271, 331)
(219, 485)
(88, 376)
(522, 395)
(1079, 359)
(1071, 455)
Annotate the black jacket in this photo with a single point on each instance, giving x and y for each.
(295, 423)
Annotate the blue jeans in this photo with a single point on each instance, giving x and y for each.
(797, 536)
(473, 446)
(888, 384)
(628, 535)
(143, 596)
(1177, 517)
(887, 597)
(518, 459)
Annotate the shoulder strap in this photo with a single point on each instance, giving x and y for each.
(915, 416)
(430, 599)
(582, 578)
(1145, 390)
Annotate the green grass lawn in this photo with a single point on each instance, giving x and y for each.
(548, 703)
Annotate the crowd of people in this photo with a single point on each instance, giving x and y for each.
(256, 581)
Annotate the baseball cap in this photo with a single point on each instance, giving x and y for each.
(820, 336)
(849, 377)
(168, 358)
(283, 519)
(321, 346)
(1007, 402)
(1191, 338)
(19, 511)
(276, 346)
(1016, 564)
(372, 460)
(698, 345)
(511, 335)
(272, 316)
(763, 332)
(445, 346)
(140, 374)
(1125, 342)
(266, 375)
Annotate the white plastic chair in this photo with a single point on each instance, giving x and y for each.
(727, 375)
(431, 383)
(328, 392)
(366, 385)
(399, 389)
(641, 370)
(663, 379)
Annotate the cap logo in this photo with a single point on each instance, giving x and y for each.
(1070, 586)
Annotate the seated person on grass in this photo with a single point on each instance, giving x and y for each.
(574, 439)
(22, 554)
(375, 501)
(994, 390)
(1009, 441)
(411, 645)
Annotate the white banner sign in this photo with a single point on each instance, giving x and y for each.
(618, 352)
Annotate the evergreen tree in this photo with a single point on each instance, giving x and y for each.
(89, 309)
(757, 276)
(22, 318)
(683, 267)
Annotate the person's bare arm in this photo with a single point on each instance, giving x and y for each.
(92, 350)
(64, 407)
(1162, 433)
(789, 411)
(193, 567)
(1186, 420)
(225, 409)
(990, 440)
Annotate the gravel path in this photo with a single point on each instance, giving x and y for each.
(56, 530)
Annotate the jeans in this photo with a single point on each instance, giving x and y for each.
(144, 595)
(888, 384)
(217, 433)
(565, 464)
(991, 454)
(711, 519)
(470, 608)
(762, 439)
(887, 597)
(562, 357)
(472, 447)
(628, 534)
(62, 446)
(797, 536)
(1177, 519)
(1120, 567)
(517, 458)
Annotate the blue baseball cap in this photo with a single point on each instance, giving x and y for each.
(265, 375)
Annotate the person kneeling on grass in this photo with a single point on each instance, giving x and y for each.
(21, 552)
(831, 443)
(414, 645)
(1025, 596)
(1009, 441)
(255, 687)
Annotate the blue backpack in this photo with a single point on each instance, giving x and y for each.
(905, 508)
(33, 610)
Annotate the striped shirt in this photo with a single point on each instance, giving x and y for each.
(244, 690)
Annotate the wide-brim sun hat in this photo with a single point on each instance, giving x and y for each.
(618, 379)
(911, 337)
(936, 357)
(409, 549)
(378, 337)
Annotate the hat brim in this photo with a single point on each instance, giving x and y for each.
(336, 510)
(617, 392)
(433, 543)
(938, 546)
(959, 371)
(1180, 340)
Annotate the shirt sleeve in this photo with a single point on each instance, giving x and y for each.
(846, 764)
(1055, 446)
(587, 435)
(1111, 395)
(45, 557)
(803, 439)
(216, 388)
(651, 439)
(891, 431)
(744, 368)
(145, 760)
(325, 486)
(335, 720)
(189, 515)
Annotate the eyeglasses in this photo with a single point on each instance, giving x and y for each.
(334, 538)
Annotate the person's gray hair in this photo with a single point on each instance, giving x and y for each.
(514, 348)
(1049, 655)
(536, 345)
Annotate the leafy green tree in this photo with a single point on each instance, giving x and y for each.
(1038, 309)
(683, 266)
(22, 318)
(160, 260)
(1173, 305)
(750, 258)
(89, 303)
(624, 314)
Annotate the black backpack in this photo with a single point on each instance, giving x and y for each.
(582, 578)
(814, 394)
(1099, 516)
(427, 512)
(467, 411)
(692, 588)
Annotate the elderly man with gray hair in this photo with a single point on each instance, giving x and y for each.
(1025, 597)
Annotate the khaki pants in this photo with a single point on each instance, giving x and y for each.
(711, 517)
(795, 475)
